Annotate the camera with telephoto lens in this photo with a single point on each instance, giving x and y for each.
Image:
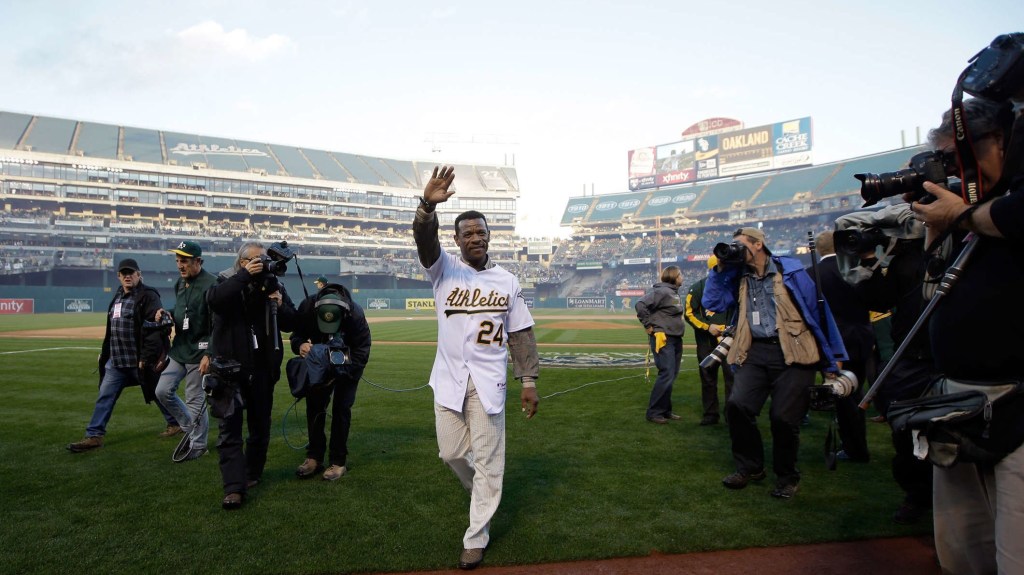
(933, 167)
(855, 242)
(730, 254)
(823, 397)
(720, 352)
(222, 376)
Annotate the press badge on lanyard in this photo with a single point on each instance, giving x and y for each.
(755, 317)
(117, 311)
(184, 323)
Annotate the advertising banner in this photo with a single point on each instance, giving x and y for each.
(675, 163)
(378, 303)
(585, 303)
(629, 292)
(539, 247)
(589, 265)
(633, 261)
(419, 303)
(10, 306)
(745, 151)
(78, 305)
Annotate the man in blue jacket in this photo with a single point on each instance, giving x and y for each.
(781, 339)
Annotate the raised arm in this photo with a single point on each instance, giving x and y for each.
(425, 226)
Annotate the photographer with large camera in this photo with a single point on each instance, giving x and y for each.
(250, 308)
(894, 282)
(854, 320)
(979, 502)
(778, 346)
(134, 352)
(708, 329)
(332, 327)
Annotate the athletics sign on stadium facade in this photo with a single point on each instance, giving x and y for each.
(720, 153)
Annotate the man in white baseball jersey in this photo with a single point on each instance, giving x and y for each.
(480, 308)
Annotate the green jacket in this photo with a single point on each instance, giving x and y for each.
(190, 345)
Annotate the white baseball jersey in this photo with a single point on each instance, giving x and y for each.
(476, 310)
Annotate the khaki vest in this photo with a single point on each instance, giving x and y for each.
(795, 338)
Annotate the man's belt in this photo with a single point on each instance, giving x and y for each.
(773, 339)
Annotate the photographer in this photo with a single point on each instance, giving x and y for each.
(329, 322)
(979, 509)
(245, 302)
(708, 329)
(896, 286)
(778, 347)
(854, 321)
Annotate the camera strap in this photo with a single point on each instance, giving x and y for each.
(972, 186)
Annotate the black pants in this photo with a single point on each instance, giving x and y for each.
(341, 420)
(850, 417)
(908, 380)
(709, 376)
(765, 373)
(237, 467)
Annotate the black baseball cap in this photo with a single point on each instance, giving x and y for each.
(128, 264)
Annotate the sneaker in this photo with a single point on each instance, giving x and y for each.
(309, 468)
(673, 417)
(877, 419)
(740, 480)
(658, 419)
(471, 558)
(335, 472)
(87, 444)
(709, 421)
(908, 514)
(195, 454)
(232, 501)
(171, 431)
(785, 490)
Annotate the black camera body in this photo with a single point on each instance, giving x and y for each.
(935, 167)
(730, 254)
(997, 72)
(855, 242)
(275, 265)
(223, 376)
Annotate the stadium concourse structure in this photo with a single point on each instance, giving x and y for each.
(77, 196)
(621, 241)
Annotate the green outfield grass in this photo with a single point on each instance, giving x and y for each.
(587, 478)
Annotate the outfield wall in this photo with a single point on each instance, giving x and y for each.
(57, 299)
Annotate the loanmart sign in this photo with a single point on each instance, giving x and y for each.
(723, 154)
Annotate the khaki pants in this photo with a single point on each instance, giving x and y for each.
(979, 517)
(472, 444)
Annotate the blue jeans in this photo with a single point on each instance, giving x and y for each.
(185, 412)
(667, 361)
(114, 381)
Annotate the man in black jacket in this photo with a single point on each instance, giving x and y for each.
(329, 321)
(131, 353)
(245, 302)
(854, 321)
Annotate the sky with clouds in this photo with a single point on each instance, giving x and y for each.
(561, 89)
